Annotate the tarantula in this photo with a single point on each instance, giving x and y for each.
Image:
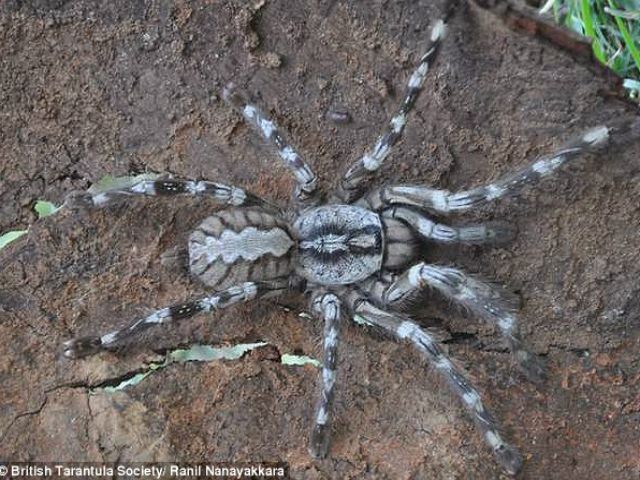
(354, 253)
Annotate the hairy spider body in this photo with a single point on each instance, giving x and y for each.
(241, 245)
(329, 245)
(339, 244)
(351, 254)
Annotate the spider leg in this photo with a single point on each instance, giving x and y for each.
(82, 347)
(444, 201)
(305, 177)
(364, 168)
(402, 328)
(484, 299)
(220, 193)
(328, 306)
(489, 232)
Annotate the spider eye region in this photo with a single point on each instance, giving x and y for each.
(338, 244)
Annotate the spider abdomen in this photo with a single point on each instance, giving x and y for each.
(240, 245)
(339, 244)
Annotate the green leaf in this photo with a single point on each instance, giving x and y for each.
(204, 353)
(136, 379)
(207, 353)
(44, 208)
(9, 237)
(109, 182)
(196, 353)
(299, 360)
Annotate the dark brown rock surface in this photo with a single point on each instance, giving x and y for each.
(121, 87)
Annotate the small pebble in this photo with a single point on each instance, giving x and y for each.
(322, 83)
(150, 39)
(340, 117)
(271, 60)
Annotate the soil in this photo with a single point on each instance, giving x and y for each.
(93, 88)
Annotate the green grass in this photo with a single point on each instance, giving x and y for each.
(614, 29)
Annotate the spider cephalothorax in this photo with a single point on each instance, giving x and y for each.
(352, 253)
(340, 244)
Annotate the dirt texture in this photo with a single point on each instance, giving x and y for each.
(90, 88)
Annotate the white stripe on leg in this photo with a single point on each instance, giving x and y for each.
(444, 201)
(372, 160)
(327, 306)
(267, 128)
(488, 301)
(405, 329)
(85, 346)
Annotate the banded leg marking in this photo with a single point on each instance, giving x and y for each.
(305, 177)
(219, 192)
(328, 306)
(85, 346)
(403, 329)
(488, 301)
(371, 161)
(490, 232)
(444, 201)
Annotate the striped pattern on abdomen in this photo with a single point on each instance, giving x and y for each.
(240, 245)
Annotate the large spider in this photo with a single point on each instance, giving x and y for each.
(356, 253)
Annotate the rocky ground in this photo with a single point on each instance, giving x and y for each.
(91, 88)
